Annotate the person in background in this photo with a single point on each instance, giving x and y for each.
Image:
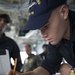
(57, 26)
(32, 61)
(45, 49)
(7, 43)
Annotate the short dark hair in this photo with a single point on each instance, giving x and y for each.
(28, 45)
(6, 17)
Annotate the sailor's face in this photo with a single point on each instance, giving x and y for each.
(2, 23)
(55, 29)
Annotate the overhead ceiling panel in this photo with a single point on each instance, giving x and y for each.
(14, 1)
(10, 4)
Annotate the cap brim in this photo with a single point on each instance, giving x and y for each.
(37, 22)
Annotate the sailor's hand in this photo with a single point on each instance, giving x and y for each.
(15, 73)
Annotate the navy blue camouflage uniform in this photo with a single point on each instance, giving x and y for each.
(64, 49)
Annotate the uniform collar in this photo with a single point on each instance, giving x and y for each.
(72, 25)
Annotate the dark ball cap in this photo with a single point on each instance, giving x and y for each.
(40, 11)
(6, 17)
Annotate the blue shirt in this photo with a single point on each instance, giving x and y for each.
(64, 49)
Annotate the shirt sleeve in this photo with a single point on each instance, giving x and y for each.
(15, 53)
(52, 61)
(38, 61)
